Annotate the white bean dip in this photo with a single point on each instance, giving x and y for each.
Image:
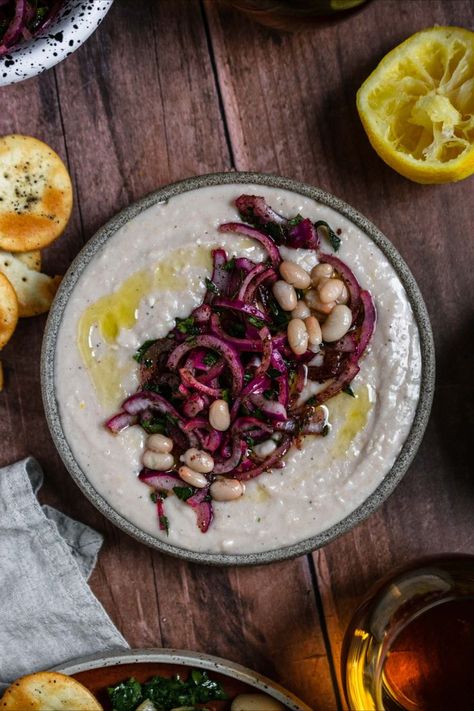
(162, 257)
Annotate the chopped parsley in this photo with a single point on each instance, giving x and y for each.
(225, 394)
(125, 696)
(334, 240)
(154, 425)
(211, 286)
(183, 492)
(140, 354)
(273, 372)
(164, 524)
(167, 693)
(295, 220)
(348, 390)
(210, 358)
(257, 322)
(229, 266)
(187, 325)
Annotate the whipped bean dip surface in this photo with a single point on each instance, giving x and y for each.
(151, 271)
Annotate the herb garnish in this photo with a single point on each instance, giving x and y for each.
(167, 693)
(257, 322)
(187, 325)
(348, 390)
(125, 696)
(229, 266)
(140, 354)
(210, 358)
(183, 492)
(334, 240)
(211, 286)
(293, 221)
(164, 524)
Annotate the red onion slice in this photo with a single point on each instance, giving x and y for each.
(269, 462)
(268, 244)
(203, 508)
(254, 209)
(161, 481)
(192, 382)
(120, 422)
(218, 345)
(368, 324)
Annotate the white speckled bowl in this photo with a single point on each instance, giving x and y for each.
(404, 458)
(74, 23)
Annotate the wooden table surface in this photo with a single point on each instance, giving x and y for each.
(172, 88)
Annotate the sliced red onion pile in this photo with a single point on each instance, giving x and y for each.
(232, 356)
(23, 19)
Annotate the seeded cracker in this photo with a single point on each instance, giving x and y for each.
(35, 194)
(34, 290)
(48, 691)
(8, 310)
(31, 259)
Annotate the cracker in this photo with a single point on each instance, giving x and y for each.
(48, 691)
(31, 259)
(35, 194)
(34, 290)
(8, 310)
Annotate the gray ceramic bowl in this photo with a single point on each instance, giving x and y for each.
(195, 660)
(408, 450)
(74, 23)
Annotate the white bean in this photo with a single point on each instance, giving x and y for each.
(314, 302)
(314, 331)
(219, 415)
(192, 477)
(160, 461)
(320, 271)
(255, 702)
(285, 294)
(337, 323)
(330, 290)
(264, 449)
(159, 443)
(295, 275)
(344, 297)
(297, 336)
(301, 310)
(223, 489)
(198, 460)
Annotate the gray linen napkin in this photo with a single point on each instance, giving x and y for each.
(48, 613)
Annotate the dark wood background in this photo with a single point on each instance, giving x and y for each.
(172, 88)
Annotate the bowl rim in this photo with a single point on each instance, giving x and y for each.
(189, 659)
(51, 46)
(407, 452)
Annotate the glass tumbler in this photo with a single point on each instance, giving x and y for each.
(410, 645)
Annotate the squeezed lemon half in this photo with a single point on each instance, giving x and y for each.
(417, 106)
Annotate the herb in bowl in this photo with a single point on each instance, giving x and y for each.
(167, 693)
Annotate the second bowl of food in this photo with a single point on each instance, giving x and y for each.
(238, 368)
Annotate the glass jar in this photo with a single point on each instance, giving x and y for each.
(410, 645)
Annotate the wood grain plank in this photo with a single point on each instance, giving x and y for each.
(290, 102)
(137, 108)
